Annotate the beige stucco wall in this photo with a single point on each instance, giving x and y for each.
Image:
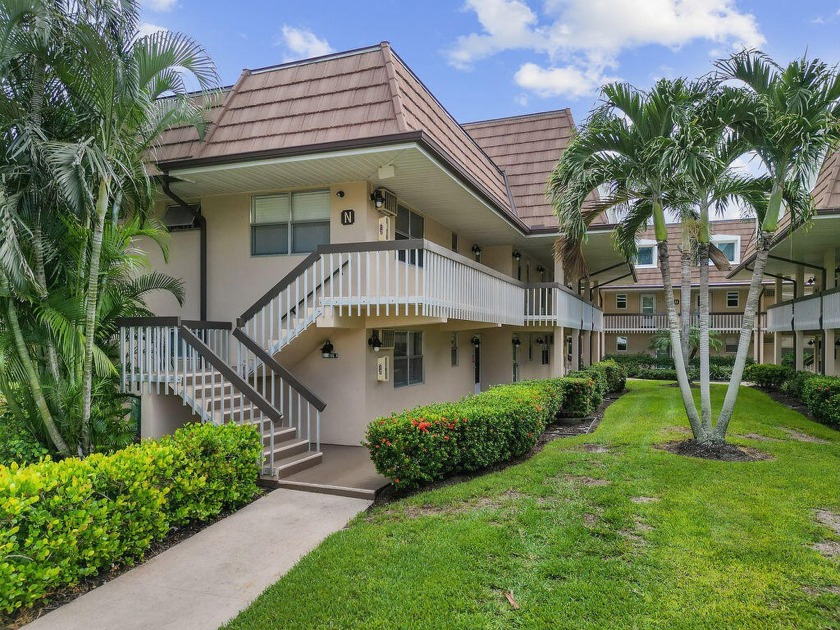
(183, 263)
(161, 414)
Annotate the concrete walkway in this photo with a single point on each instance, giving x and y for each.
(207, 579)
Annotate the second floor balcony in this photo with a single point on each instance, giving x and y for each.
(814, 312)
(651, 322)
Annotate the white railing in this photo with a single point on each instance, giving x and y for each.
(190, 359)
(552, 304)
(408, 277)
(637, 322)
(815, 312)
(831, 309)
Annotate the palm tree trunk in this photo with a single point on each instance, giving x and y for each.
(705, 371)
(685, 299)
(41, 276)
(91, 304)
(34, 381)
(679, 361)
(762, 252)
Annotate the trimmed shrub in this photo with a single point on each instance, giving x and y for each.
(767, 375)
(17, 444)
(616, 376)
(822, 396)
(646, 366)
(796, 382)
(431, 442)
(581, 397)
(66, 520)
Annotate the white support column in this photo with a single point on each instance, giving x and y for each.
(586, 347)
(777, 336)
(800, 282)
(830, 362)
(575, 349)
(558, 357)
(800, 349)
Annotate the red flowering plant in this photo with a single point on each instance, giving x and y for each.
(822, 396)
(432, 442)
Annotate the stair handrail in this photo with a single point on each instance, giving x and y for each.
(272, 364)
(229, 373)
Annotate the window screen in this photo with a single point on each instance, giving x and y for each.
(408, 358)
(294, 223)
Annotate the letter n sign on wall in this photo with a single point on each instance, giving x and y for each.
(348, 217)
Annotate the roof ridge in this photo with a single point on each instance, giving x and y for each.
(393, 86)
(564, 110)
(320, 58)
(230, 95)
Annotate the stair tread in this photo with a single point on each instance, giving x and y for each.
(297, 457)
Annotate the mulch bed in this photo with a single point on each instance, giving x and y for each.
(724, 452)
(562, 428)
(67, 595)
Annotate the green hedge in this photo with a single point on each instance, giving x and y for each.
(795, 383)
(822, 396)
(62, 521)
(431, 442)
(767, 375)
(646, 366)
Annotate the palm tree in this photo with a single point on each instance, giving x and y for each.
(660, 342)
(790, 117)
(116, 81)
(621, 146)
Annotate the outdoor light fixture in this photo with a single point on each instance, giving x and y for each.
(810, 280)
(476, 341)
(378, 198)
(374, 342)
(540, 341)
(476, 250)
(517, 255)
(339, 194)
(327, 350)
(810, 342)
(516, 341)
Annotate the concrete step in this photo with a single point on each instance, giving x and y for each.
(281, 436)
(321, 488)
(285, 448)
(295, 463)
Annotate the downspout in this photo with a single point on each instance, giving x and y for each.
(202, 256)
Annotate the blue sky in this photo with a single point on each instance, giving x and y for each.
(491, 58)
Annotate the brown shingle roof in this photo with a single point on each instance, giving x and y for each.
(527, 149)
(827, 190)
(362, 94)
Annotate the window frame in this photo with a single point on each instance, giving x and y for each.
(621, 297)
(654, 255)
(412, 258)
(730, 349)
(722, 239)
(618, 344)
(737, 295)
(290, 224)
(409, 346)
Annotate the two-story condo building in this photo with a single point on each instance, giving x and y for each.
(634, 306)
(803, 317)
(348, 250)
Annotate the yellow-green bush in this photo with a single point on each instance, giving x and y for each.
(62, 521)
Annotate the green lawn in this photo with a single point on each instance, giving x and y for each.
(704, 545)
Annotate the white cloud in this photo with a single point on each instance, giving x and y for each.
(147, 28)
(301, 43)
(583, 39)
(567, 81)
(161, 6)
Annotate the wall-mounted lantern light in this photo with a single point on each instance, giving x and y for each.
(378, 198)
(810, 281)
(374, 342)
(810, 342)
(476, 250)
(476, 341)
(340, 194)
(516, 341)
(540, 341)
(517, 255)
(327, 350)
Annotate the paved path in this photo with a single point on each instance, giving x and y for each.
(207, 579)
